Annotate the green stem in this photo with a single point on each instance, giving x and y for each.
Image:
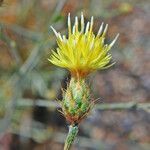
(73, 130)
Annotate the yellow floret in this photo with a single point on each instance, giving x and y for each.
(82, 52)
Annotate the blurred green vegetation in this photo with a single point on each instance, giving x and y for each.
(29, 84)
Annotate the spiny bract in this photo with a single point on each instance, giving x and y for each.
(82, 52)
(76, 101)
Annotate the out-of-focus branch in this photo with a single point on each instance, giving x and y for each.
(36, 36)
(12, 48)
(103, 107)
(124, 106)
(60, 136)
(17, 78)
(84, 141)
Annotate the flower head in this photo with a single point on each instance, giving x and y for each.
(82, 51)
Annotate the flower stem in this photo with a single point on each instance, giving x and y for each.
(73, 130)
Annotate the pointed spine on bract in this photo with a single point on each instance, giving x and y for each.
(76, 101)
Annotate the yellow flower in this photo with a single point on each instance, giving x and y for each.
(82, 52)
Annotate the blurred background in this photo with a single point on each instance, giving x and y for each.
(30, 85)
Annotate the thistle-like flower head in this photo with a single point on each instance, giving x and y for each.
(82, 52)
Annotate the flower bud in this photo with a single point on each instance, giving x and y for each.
(76, 101)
